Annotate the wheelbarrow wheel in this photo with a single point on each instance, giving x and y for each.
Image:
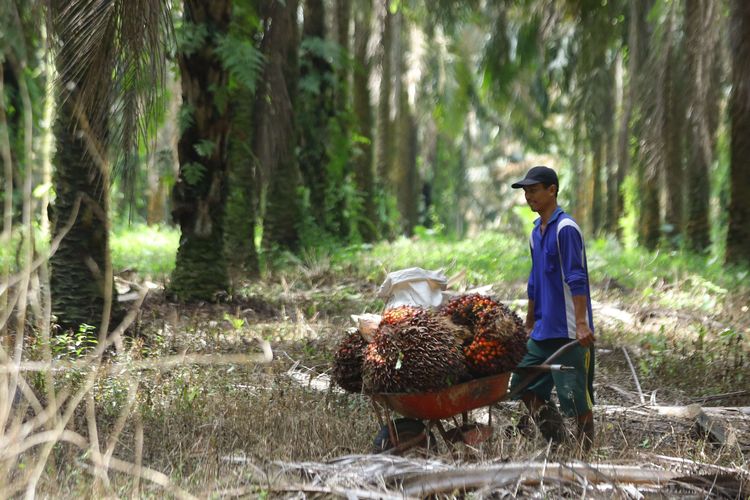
(407, 429)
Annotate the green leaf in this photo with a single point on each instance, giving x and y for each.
(191, 37)
(205, 148)
(242, 59)
(185, 118)
(192, 172)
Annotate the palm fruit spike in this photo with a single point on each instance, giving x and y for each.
(499, 341)
(415, 353)
(399, 314)
(466, 309)
(347, 361)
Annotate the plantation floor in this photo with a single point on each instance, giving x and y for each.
(229, 428)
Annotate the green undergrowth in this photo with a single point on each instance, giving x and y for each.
(148, 250)
(663, 278)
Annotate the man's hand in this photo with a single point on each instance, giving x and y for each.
(529, 327)
(584, 334)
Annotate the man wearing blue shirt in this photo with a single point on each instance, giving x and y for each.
(559, 312)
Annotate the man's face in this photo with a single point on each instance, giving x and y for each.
(540, 198)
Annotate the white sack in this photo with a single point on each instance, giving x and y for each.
(413, 287)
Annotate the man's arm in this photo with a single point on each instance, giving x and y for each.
(576, 276)
(583, 331)
(530, 318)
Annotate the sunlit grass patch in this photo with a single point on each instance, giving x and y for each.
(149, 250)
(487, 259)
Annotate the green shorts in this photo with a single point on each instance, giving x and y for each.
(574, 388)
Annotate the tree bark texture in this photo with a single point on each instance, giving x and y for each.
(362, 108)
(77, 269)
(274, 139)
(199, 196)
(738, 234)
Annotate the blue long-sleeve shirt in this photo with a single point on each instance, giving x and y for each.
(558, 272)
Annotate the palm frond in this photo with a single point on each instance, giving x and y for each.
(110, 57)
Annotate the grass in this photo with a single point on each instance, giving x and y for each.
(148, 250)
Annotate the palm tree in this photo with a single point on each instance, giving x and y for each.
(702, 33)
(199, 196)
(315, 108)
(275, 132)
(108, 58)
(738, 235)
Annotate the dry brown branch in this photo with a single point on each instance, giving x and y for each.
(635, 376)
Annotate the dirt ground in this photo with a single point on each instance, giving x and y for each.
(220, 426)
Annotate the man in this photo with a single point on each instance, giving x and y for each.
(559, 312)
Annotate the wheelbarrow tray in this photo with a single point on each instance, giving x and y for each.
(450, 401)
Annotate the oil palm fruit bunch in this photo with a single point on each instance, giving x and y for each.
(347, 361)
(414, 350)
(499, 340)
(467, 309)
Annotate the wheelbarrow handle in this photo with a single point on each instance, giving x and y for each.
(545, 368)
(534, 371)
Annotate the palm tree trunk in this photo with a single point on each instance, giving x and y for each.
(651, 149)
(275, 134)
(673, 128)
(699, 19)
(241, 219)
(164, 161)
(343, 21)
(738, 234)
(200, 192)
(315, 107)
(404, 174)
(637, 41)
(596, 181)
(383, 137)
(77, 269)
(362, 108)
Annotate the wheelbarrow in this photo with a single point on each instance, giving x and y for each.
(424, 411)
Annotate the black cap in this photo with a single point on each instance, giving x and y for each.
(536, 175)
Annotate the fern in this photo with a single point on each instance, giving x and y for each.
(192, 173)
(325, 49)
(191, 37)
(242, 59)
(205, 148)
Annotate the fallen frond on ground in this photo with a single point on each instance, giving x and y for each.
(378, 476)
